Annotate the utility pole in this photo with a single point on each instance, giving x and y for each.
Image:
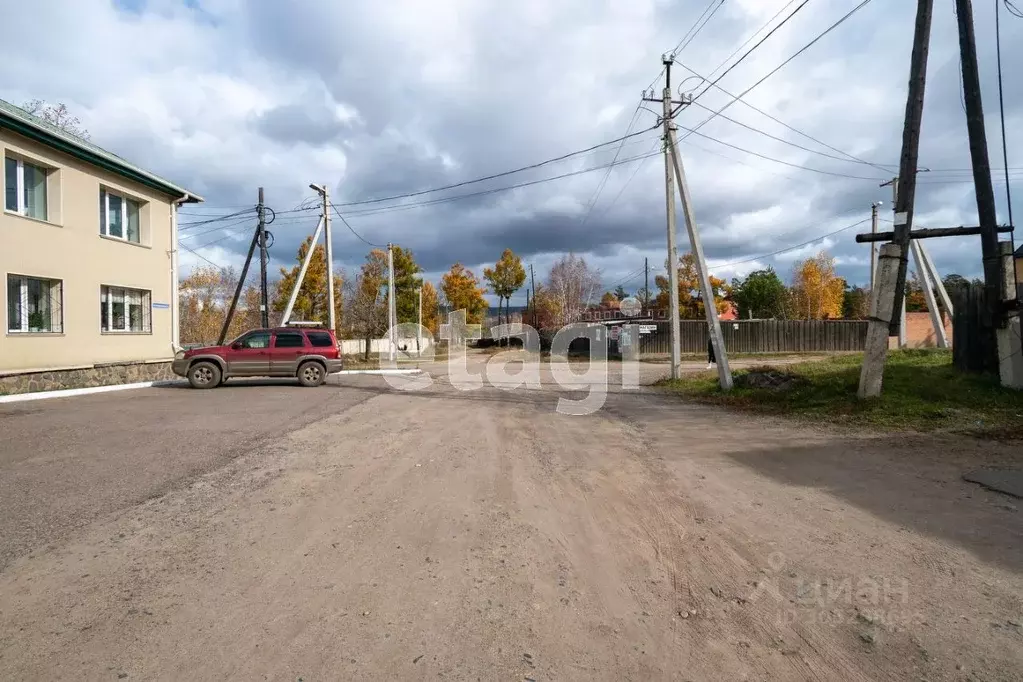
(646, 283)
(717, 340)
(264, 310)
(238, 289)
(532, 281)
(901, 307)
(330, 257)
(669, 196)
(905, 186)
(419, 329)
(876, 351)
(873, 246)
(981, 165)
(391, 314)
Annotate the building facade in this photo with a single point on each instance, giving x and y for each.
(88, 262)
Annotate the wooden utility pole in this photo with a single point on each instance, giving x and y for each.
(873, 246)
(669, 196)
(419, 329)
(981, 165)
(886, 310)
(264, 309)
(906, 184)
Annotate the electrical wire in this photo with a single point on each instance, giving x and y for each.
(216, 219)
(738, 98)
(1011, 8)
(793, 248)
(603, 180)
(803, 49)
(1001, 111)
(752, 49)
(352, 230)
(686, 39)
(403, 207)
(752, 37)
(532, 166)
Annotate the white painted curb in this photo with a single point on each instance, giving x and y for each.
(380, 371)
(72, 392)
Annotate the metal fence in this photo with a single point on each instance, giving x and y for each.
(763, 336)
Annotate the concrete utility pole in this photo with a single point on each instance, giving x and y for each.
(873, 246)
(646, 283)
(330, 258)
(264, 310)
(532, 281)
(981, 165)
(713, 323)
(301, 274)
(392, 333)
(894, 182)
(941, 339)
(419, 329)
(887, 304)
(669, 196)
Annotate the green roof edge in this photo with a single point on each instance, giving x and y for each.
(20, 121)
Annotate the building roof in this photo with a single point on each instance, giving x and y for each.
(20, 121)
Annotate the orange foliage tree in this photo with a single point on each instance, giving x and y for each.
(817, 292)
(462, 291)
(690, 301)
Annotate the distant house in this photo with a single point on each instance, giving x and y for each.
(88, 263)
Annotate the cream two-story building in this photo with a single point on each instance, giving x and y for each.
(88, 259)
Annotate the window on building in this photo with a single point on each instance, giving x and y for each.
(33, 305)
(125, 310)
(120, 217)
(320, 339)
(289, 340)
(24, 188)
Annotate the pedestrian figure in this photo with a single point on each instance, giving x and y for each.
(711, 360)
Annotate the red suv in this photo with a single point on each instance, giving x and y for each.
(307, 354)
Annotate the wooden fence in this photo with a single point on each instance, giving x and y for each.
(974, 345)
(763, 336)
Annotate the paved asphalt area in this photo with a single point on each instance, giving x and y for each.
(67, 461)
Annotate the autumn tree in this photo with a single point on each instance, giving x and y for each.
(203, 298)
(462, 291)
(573, 284)
(761, 294)
(57, 115)
(431, 308)
(546, 307)
(365, 300)
(609, 301)
(505, 278)
(817, 292)
(312, 302)
(690, 298)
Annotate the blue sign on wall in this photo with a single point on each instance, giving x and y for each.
(161, 306)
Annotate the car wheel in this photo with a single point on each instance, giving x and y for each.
(311, 374)
(204, 375)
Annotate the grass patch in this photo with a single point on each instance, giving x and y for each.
(922, 392)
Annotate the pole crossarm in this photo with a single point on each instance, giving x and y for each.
(927, 233)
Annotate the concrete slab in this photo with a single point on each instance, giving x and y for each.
(1008, 481)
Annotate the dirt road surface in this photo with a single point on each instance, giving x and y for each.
(482, 535)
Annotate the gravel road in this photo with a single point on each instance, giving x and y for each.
(267, 532)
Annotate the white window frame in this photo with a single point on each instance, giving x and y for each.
(20, 186)
(108, 310)
(104, 228)
(23, 295)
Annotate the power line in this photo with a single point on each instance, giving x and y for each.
(216, 265)
(752, 49)
(403, 207)
(752, 36)
(352, 230)
(803, 49)
(687, 38)
(693, 131)
(1001, 111)
(532, 166)
(216, 219)
(793, 248)
(603, 181)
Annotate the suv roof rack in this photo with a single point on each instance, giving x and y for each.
(303, 323)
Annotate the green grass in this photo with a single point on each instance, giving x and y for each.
(922, 392)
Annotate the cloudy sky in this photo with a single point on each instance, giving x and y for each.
(382, 98)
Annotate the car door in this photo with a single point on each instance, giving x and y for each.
(249, 356)
(288, 347)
